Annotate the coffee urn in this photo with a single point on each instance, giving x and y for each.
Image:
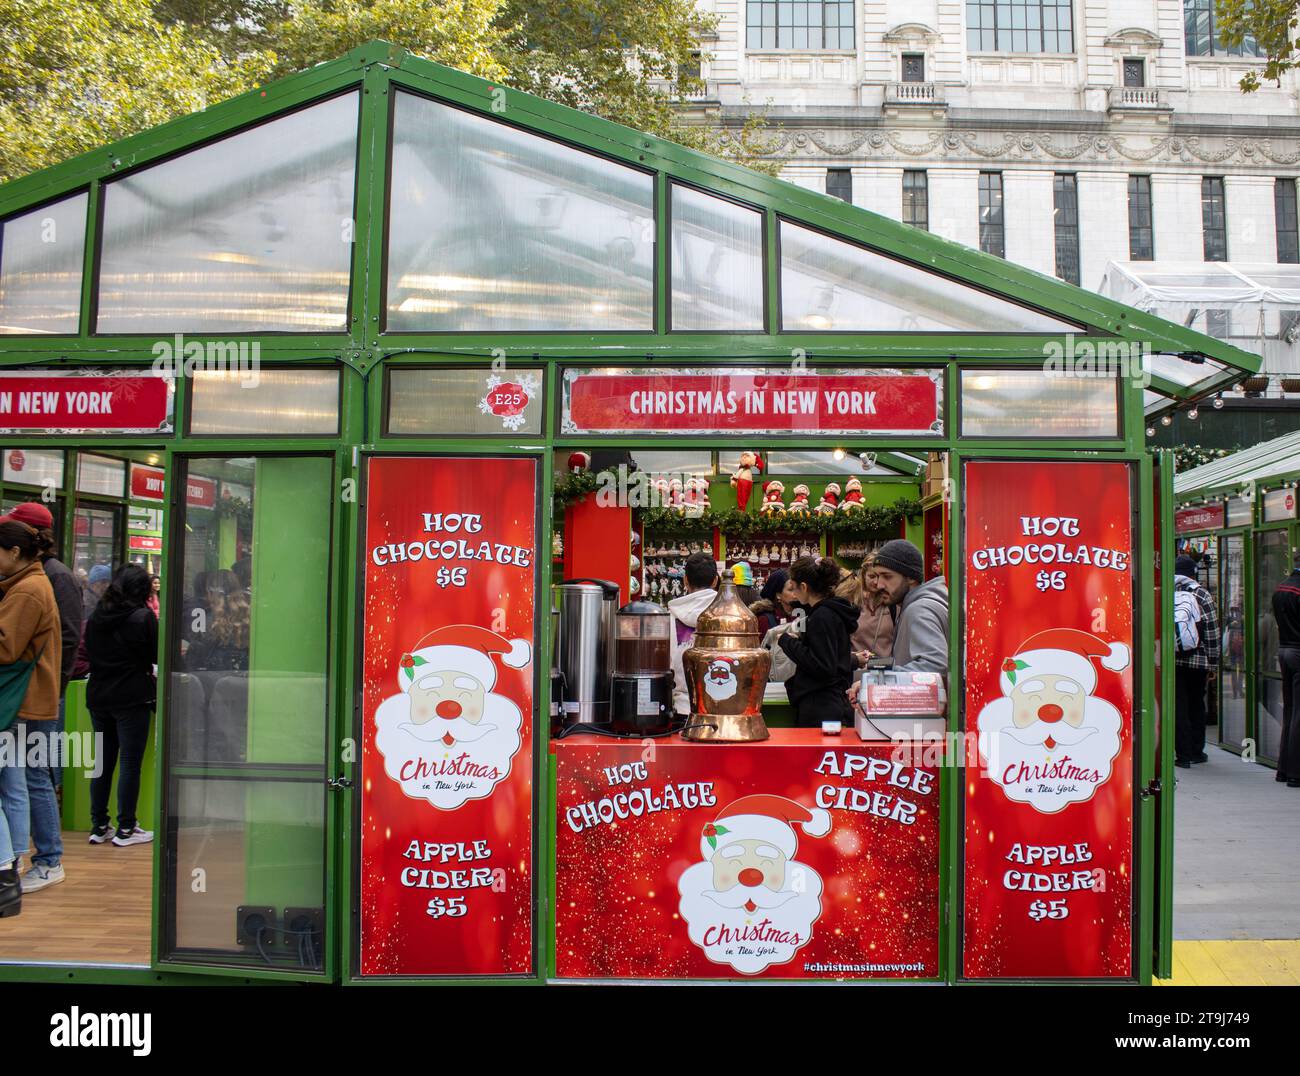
(585, 609)
(643, 670)
(726, 673)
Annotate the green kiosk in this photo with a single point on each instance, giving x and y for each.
(410, 349)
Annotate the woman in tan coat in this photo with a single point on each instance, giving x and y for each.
(29, 631)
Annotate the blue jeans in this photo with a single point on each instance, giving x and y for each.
(15, 815)
(47, 832)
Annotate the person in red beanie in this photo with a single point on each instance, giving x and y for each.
(42, 781)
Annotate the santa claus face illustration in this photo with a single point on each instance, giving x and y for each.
(447, 736)
(1049, 741)
(720, 680)
(749, 903)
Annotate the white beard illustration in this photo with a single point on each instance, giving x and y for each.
(447, 775)
(749, 940)
(1049, 765)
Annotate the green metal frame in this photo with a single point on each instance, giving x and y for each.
(364, 351)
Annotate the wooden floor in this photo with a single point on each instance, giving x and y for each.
(1235, 963)
(99, 914)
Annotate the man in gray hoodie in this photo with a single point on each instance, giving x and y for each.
(920, 608)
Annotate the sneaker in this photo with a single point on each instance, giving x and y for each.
(101, 834)
(40, 876)
(137, 836)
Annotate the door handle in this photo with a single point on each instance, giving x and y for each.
(338, 784)
(1153, 789)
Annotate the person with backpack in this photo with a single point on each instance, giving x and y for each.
(30, 653)
(1196, 658)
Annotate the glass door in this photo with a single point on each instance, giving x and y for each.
(1272, 566)
(1232, 621)
(96, 536)
(244, 867)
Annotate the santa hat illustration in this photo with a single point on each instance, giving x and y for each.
(463, 648)
(764, 818)
(1063, 652)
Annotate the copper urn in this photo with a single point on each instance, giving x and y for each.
(726, 673)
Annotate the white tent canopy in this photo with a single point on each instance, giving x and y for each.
(1255, 305)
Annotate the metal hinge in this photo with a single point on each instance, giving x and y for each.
(338, 784)
(1153, 789)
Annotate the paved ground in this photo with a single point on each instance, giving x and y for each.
(1236, 853)
(1235, 963)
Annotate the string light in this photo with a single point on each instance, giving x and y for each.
(1218, 402)
(1166, 419)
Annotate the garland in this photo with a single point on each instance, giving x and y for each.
(865, 521)
(1188, 456)
(862, 522)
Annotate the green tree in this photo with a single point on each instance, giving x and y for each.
(1273, 24)
(76, 75)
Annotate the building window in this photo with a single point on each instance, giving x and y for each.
(1201, 31)
(1019, 26)
(1284, 213)
(993, 236)
(916, 200)
(801, 24)
(913, 67)
(839, 184)
(1135, 72)
(1141, 245)
(1214, 220)
(1065, 197)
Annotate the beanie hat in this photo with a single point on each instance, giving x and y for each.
(901, 556)
(464, 648)
(100, 573)
(1063, 652)
(741, 574)
(1185, 565)
(35, 515)
(764, 818)
(774, 585)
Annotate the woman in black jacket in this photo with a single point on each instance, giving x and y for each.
(122, 647)
(818, 644)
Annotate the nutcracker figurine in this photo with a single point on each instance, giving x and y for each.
(743, 480)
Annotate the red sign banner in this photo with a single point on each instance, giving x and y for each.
(1206, 517)
(794, 858)
(726, 401)
(200, 492)
(143, 543)
(77, 403)
(1048, 858)
(448, 665)
(147, 483)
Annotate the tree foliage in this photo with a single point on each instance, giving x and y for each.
(1275, 27)
(76, 74)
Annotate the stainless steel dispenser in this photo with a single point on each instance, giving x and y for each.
(585, 609)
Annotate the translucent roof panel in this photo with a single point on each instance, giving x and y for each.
(493, 229)
(717, 263)
(252, 233)
(1280, 456)
(41, 256)
(830, 284)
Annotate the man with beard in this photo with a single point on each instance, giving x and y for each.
(920, 608)
(749, 903)
(1049, 741)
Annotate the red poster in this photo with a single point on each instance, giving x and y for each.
(147, 483)
(447, 754)
(800, 857)
(723, 401)
(73, 403)
(200, 492)
(1049, 689)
